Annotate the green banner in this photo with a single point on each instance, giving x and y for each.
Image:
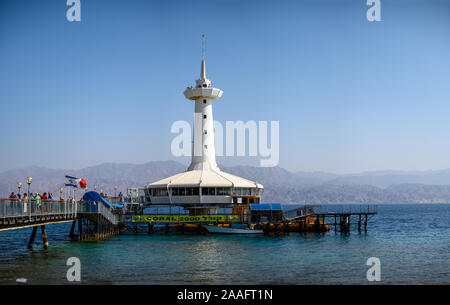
(184, 218)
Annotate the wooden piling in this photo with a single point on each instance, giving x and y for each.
(80, 230)
(167, 228)
(44, 237)
(72, 229)
(33, 235)
(150, 228)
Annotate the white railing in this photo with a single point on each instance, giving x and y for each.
(23, 208)
(10, 208)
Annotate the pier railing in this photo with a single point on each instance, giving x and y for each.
(22, 211)
(13, 208)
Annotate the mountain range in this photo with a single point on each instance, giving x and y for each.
(280, 184)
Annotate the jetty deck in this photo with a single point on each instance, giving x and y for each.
(94, 219)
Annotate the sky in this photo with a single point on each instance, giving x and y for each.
(350, 95)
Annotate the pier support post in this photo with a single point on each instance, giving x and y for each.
(80, 230)
(365, 223)
(335, 224)
(150, 228)
(359, 223)
(44, 237)
(33, 235)
(72, 229)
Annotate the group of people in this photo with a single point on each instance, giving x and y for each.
(36, 196)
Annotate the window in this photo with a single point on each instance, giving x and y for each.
(204, 85)
(204, 191)
(195, 192)
(204, 101)
(181, 191)
(211, 191)
(204, 116)
(159, 192)
(189, 191)
(223, 191)
(206, 131)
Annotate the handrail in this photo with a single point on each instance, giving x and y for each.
(13, 208)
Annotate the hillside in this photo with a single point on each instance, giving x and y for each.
(280, 184)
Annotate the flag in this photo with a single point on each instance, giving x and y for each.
(75, 182)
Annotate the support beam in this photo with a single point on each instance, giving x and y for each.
(72, 229)
(33, 235)
(44, 237)
(80, 229)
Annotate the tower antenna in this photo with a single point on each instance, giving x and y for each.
(203, 46)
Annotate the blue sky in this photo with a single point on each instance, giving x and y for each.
(350, 95)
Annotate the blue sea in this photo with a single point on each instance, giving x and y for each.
(411, 241)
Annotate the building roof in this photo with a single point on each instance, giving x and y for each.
(205, 178)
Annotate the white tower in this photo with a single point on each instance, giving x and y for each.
(203, 151)
(204, 183)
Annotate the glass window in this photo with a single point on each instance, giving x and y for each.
(211, 191)
(189, 191)
(181, 191)
(204, 191)
(195, 191)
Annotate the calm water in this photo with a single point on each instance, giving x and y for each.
(412, 242)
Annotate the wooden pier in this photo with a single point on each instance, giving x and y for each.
(356, 216)
(95, 221)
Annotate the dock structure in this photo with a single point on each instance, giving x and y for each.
(357, 216)
(269, 217)
(99, 219)
(95, 220)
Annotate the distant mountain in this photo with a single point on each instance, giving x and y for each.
(280, 184)
(105, 176)
(387, 178)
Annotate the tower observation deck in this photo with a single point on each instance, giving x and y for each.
(203, 182)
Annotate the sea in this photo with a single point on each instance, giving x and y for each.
(410, 241)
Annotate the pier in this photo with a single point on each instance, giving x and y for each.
(94, 219)
(98, 220)
(357, 216)
(307, 218)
